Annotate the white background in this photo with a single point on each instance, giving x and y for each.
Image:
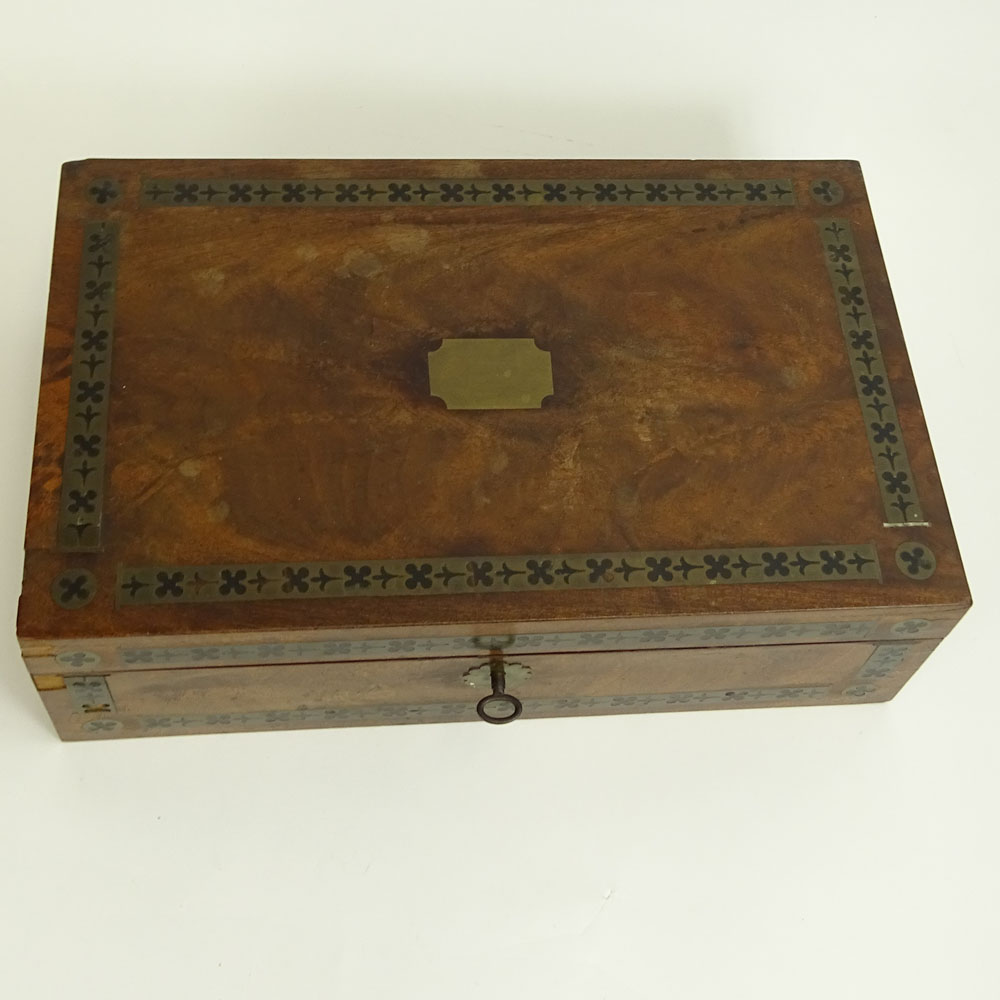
(820, 853)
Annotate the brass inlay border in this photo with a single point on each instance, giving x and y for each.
(882, 663)
(491, 574)
(82, 496)
(81, 502)
(456, 711)
(296, 192)
(871, 380)
(443, 646)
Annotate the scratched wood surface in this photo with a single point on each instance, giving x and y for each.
(269, 397)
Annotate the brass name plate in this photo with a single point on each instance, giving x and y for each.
(490, 374)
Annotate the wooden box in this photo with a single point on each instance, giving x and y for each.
(334, 443)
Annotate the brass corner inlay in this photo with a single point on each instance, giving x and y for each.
(826, 191)
(490, 373)
(74, 588)
(884, 662)
(916, 560)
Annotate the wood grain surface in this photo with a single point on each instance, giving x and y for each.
(270, 399)
(311, 695)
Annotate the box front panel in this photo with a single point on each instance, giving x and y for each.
(285, 696)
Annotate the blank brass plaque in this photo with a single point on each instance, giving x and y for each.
(490, 374)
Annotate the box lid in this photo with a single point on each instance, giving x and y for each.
(284, 396)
